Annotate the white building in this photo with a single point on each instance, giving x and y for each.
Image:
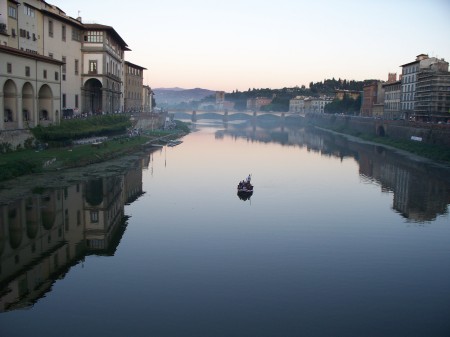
(409, 81)
(303, 105)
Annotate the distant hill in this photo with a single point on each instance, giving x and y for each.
(173, 96)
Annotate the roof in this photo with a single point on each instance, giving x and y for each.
(18, 52)
(134, 65)
(65, 18)
(391, 83)
(111, 30)
(410, 63)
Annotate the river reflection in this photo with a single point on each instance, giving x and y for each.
(324, 255)
(420, 191)
(49, 230)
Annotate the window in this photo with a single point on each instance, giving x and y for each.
(76, 67)
(64, 60)
(50, 28)
(12, 12)
(28, 11)
(64, 100)
(45, 73)
(92, 67)
(94, 216)
(9, 68)
(63, 32)
(56, 76)
(27, 71)
(94, 36)
(75, 34)
(13, 32)
(76, 101)
(22, 33)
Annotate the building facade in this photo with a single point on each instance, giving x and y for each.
(133, 80)
(30, 89)
(89, 68)
(433, 93)
(392, 93)
(147, 98)
(102, 69)
(409, 80)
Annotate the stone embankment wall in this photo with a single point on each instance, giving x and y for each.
(15, 138)
(431, 133)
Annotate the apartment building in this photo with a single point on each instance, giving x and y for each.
(297, 105)
(433, 92)
(409, 78)
(134, 77)
(392, 92)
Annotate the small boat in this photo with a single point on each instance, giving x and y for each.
(245, 189)
(174, 142)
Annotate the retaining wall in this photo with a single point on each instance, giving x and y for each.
(431, 133)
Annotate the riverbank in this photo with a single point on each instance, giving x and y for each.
(438, 153)
(30, 161)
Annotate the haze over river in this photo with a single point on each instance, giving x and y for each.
(338, 239)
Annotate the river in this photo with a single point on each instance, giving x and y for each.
(338, 239)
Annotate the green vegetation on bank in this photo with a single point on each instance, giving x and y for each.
(72, 129)
(29, 161)
(436, 153)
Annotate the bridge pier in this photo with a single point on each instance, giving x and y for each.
(225, 116)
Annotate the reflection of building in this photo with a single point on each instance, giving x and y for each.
(103, 210)
(418, 194)
(43, 234)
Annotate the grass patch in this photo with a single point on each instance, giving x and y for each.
(18, 163)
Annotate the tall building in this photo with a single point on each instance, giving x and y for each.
(409, 82)
(433, 92)
(392, 91)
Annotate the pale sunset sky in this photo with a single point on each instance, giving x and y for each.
(242, 44)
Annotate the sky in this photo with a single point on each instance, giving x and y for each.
(245, 44)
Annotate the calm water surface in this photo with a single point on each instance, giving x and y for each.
(338, 239)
